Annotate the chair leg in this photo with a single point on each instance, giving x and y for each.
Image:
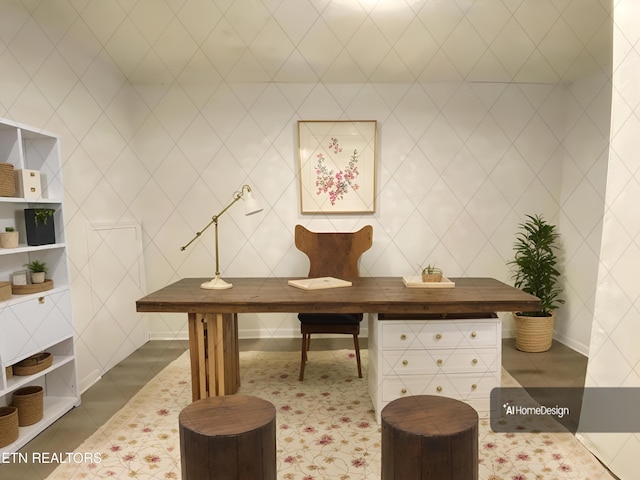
(303, 358)
(356, 344)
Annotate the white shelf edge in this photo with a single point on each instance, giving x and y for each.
(31, 248)
(54, 408)
(18, 380)
(54, 201)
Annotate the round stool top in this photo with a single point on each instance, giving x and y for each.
(429, 415)
(227, 415)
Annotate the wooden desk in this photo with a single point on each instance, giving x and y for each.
(212, 314)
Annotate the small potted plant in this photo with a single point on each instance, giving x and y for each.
(535, 272)
(431, 273)
(38, 270)
(9, 238)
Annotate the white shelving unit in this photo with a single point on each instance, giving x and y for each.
(42, 321)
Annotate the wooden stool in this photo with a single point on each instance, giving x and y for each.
(228, 437)
(427, 437)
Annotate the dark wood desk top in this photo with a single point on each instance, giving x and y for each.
(386, 295)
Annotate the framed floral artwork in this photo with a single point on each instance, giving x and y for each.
(337, 166)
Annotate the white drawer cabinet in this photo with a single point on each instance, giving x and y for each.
(456, 357)
(31, 325)
(34, 322)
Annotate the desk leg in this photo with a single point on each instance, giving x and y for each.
(215, 357)
(197, 353)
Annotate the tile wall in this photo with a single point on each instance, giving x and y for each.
(614, 357)
(460, 164)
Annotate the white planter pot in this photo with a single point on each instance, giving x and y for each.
(37, 277)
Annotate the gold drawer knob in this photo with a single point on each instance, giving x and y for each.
(439, 361)
(439, 388)
(474, 334)
(474, 361)
(403, 391)
(405, 362)
(403, 337)
(40, 299)
(474, 386)
(438, 336)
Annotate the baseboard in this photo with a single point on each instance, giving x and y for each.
(572, 344)
(89, 381)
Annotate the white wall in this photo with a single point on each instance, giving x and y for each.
(614, 359)
(49, 81)
(459, 166)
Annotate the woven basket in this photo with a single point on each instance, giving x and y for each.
(431, 277)
(434, 275)
(7, 180)
(30, 404)
(33, 364)
(534, 334)
(5, 291)
(8, 425)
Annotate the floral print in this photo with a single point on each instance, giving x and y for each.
(325, 428)
(336, 184)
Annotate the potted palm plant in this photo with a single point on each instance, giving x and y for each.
(38, 271)
(535, 272)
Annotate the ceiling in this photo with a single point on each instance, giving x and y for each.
(191, 41)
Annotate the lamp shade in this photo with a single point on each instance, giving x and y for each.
(251, 205)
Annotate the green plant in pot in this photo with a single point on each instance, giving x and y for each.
(39, 225)
(38, 270)
(9, 238)
(431, 273)
(535, 272)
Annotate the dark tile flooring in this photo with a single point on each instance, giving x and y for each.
(560, 366)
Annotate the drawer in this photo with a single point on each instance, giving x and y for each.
(34, 324)
(439, 334)
(415, 362)
(461, 387)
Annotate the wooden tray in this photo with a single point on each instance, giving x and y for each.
(32, 288)
(416, 282)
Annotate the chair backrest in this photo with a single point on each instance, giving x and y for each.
(333, 254)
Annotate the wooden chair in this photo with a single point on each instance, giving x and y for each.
(332, 255)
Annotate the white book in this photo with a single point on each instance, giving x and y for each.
(319, 283)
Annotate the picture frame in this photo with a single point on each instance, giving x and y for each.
(20, 278)
(337, 161)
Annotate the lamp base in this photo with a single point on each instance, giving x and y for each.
(216, 284)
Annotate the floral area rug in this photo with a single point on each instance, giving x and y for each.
(325, 428)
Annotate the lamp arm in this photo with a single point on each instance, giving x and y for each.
(236, 196)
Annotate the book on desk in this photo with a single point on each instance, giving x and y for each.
(319, 283)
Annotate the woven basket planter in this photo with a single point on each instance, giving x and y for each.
(7, 180)
(30, 404)
(434, 275)
(8, 425)
(534, 334)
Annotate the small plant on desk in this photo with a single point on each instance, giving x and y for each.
(431, 273)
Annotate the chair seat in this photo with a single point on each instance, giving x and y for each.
(330, 318)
